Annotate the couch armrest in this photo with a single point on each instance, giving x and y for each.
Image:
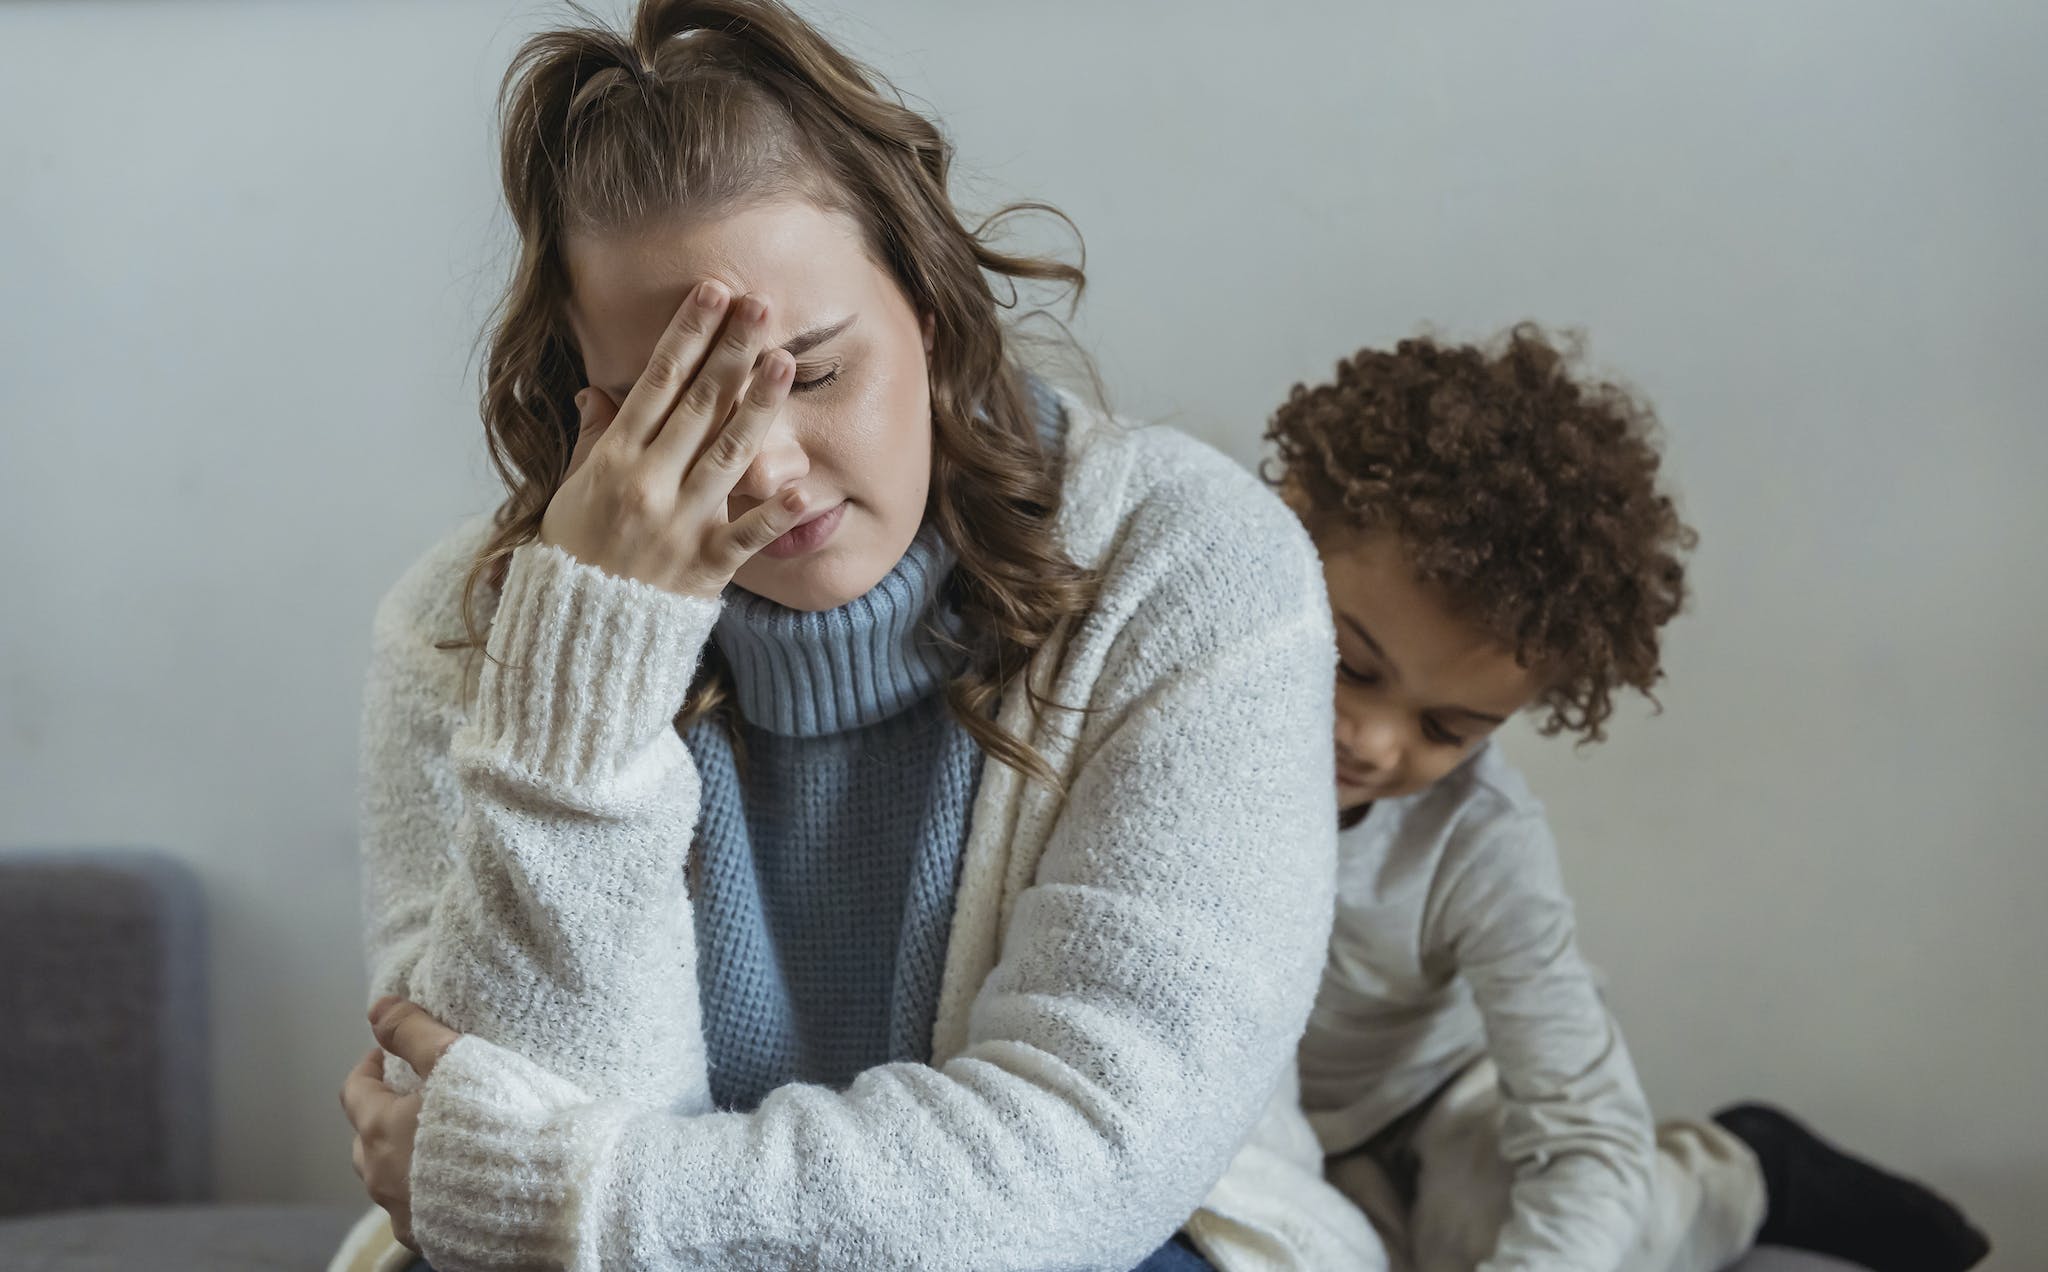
(104, 1052)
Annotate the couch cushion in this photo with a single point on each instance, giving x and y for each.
(294, 1238)
(102, 981)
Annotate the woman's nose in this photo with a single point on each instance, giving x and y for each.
(780, 462)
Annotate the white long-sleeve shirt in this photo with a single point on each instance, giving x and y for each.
(1129, 966)
(1454, 939)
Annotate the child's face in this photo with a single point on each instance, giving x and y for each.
(1417, 687)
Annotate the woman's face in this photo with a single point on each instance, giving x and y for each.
(856, 433)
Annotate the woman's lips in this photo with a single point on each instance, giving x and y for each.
(809, 534)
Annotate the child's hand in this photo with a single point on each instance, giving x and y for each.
(646, 493)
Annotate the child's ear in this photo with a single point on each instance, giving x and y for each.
(1294, 496)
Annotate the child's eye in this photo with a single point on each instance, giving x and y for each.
(1438, 734)
(1357, 677)
(812, 385)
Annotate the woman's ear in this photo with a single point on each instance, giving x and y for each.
(928, 324)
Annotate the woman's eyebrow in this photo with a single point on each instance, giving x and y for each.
(805, 341)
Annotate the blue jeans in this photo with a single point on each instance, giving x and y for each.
(1177, 1255)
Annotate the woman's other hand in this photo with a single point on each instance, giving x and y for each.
(386, 1122)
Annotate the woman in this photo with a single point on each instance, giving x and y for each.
(879, 830)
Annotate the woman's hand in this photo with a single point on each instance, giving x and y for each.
(385, 1122)
(647, 498)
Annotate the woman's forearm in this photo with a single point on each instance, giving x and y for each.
(526, 864)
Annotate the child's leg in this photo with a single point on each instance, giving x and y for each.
(1706, 1200)
(1461, 1190)
(1832, 1202)
(1360, 1177)
(1707, 1195)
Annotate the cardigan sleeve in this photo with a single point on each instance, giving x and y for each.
(523, 861)
(1148, 994)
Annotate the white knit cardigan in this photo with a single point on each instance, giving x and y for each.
(1129, 969)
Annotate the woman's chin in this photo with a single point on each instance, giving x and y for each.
(822, 580)
(860, 552)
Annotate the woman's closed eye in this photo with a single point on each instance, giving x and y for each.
(811, 379)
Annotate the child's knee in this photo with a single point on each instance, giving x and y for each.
(1462, 1194)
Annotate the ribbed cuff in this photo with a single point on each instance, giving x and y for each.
(498, 1170)
(585, 668)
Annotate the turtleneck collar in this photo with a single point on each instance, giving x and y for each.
(808, 673)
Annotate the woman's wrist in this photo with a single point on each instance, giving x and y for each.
(582, 669)
(495, 1161)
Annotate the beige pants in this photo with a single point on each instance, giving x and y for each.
(1706, 1203)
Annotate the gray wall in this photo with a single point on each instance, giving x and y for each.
(248, 248)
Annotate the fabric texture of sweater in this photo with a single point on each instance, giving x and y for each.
(1132, 953)
(1454, 939)
(828, 857)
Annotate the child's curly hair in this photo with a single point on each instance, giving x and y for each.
(1527, 497)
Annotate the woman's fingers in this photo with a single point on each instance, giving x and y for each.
(675, 363)
(761, 526)
(595, 412)
(708, 399)
(363, 1090)
(733, 447)
(406, 1030)
(712, 478)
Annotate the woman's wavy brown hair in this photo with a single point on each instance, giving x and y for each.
(1525, 495)
(710, 106)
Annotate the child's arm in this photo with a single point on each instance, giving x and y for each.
(1576, 1129)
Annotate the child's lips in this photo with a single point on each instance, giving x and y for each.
(1353, 778)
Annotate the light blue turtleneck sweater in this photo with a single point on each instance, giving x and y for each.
(830, 855)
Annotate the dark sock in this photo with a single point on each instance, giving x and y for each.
(1822, 1199)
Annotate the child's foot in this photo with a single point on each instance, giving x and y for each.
(1824, 1200)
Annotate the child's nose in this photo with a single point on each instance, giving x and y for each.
(1371, 741)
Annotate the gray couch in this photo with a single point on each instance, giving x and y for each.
(104, 1076)
(105, 1134)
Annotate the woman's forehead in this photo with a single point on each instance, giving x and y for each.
(788, 251)
(626, 288)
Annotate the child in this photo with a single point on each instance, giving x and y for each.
(1494, 538)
